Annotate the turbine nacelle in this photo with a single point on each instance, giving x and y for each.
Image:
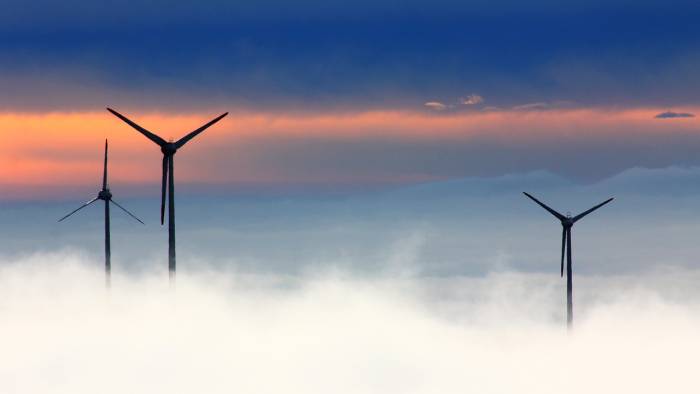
(105, 195)
(567, 221)
(168, 148)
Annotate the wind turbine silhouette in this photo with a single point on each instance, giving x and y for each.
(169, 149)
(106, 196)
(566, 223)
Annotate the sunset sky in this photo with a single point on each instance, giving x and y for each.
(357, 223)
(325, 95)
(346, 120)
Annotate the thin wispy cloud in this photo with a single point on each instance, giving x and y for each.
(472, 99)
(532, 106)
(674, 115)
(544, 105)
(435, 105)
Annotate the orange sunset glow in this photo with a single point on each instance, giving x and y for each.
(65, 148)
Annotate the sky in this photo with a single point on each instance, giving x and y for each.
(355, 131)
(363, 195)
(336, 96)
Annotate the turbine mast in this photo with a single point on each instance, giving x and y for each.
(569, 283)
(108, 249)
(106, 196)
(171, 220)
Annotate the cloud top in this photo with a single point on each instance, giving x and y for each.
(220, 333)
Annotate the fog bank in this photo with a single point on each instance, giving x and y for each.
(223, 332)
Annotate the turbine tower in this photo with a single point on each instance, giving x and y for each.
(566, 223)
(106, 196)
(168, 149)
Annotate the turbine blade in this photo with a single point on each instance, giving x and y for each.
(550, 210)
(79, 208)
(563, 248)
(582, 214)
(182, 141)
(104, 176)
(128, 213)
(162, 194)
(138, 128)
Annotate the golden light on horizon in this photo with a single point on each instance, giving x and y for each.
(66, 148)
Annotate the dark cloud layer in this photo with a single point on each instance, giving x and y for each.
(672, 115)
(81, 13)
(326, 54)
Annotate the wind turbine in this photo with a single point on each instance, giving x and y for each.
(106, 196)
(566, 223)
(169, 149)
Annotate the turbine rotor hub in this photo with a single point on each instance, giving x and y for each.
(168, 149)
(104, 195)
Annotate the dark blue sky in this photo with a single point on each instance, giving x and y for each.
(370, 54)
